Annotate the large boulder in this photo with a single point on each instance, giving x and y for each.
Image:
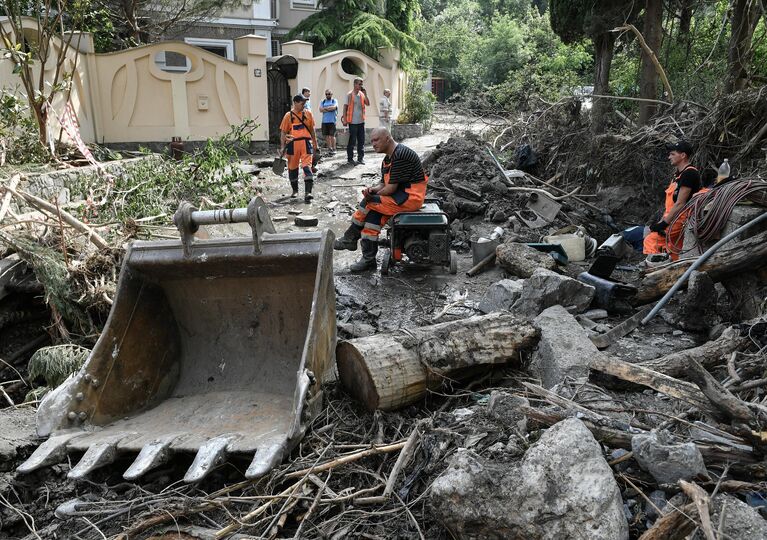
(564, 348)
(562, 488)
(666, 461)
(501, 295)
(522, 260)
(546, 288)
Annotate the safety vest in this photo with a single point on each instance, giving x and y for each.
(299, 132)
(415, 191)
(350, 108)
(671, 189)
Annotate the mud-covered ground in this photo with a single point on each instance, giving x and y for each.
(367, 303)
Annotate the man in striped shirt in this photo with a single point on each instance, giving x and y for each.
(402, 189)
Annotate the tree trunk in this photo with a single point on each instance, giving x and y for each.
(685, 18)
(732, 259)
(387, 371)
(648, 83)
(604, 47)
(745, 16)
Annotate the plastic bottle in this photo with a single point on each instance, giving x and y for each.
(724, 171)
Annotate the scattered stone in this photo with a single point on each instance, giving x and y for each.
(657, 500)
(563, 488)
(596, 314)
(17, 432)
(564, 348)
(498, 217)
(295, 212)
(306, 221)
(501, 295)
(738, 520)
(504, 407)
(665, 461)
(546, 288)
(522, 260)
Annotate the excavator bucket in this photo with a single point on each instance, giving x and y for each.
(214, 347)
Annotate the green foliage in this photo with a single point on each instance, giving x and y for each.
(500, 62)
(19, 139)
(361, 25)
(155, 186)
(573, 20)
(54, 364)
(419, 103)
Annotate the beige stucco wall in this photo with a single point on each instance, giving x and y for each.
(141, 103)
(124, 97)
(325, 72)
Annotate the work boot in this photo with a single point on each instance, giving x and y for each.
(308, 191)
(368, 260)
(349, 239)
(294, 187)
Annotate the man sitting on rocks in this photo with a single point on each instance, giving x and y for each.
(402, 189)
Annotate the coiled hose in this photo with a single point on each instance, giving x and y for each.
(708, 213)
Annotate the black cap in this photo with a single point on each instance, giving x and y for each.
(680, 146)
(298, 97)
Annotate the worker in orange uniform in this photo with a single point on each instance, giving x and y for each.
(683, 186)
(402, 189)
(298, 141)
(354, 119)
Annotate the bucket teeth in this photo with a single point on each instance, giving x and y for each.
(266, 459)
(210, 454)
(98, 455)
(52, 451)
(152, 455)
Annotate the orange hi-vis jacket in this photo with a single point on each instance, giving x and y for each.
(299, 150)
(659, 243)
(350, 106)
(388, 205)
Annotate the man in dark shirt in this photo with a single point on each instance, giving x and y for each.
(683, 186)
(402, 189)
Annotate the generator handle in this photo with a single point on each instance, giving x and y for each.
(188, 220)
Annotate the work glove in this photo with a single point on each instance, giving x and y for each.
(659, 227)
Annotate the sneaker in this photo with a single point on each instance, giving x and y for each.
(294, 195)
(351, 162)
(345, 243)
(362, 265)
(360, 162)
(308, 198)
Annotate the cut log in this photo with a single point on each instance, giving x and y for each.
(709, 354)
(388, 371)
(747, 255)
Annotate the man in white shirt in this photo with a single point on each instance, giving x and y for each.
(384, 110)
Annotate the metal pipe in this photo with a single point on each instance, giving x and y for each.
(227, 215)
(694, 266)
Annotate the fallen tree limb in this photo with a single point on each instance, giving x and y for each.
(615, 438)
(15, 179)
(700, 499)
(745, 255)
(348, 459)
(674, 525)
(639, 374)
(70, 220)
(709, 354)
(718, 395)
(387, 371)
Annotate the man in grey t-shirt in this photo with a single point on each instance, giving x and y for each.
(354, 118)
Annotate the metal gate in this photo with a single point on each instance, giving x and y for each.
(278, 92)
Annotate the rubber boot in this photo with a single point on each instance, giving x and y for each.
(368, 259)
(294, 187)
(308, 191)
(349, 239)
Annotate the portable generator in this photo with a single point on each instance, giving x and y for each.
(420, 238)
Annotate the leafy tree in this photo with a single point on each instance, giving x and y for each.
(573, 20)
(362, 25)
(34, 40)
(745, 16)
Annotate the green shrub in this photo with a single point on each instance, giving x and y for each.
(419, 102)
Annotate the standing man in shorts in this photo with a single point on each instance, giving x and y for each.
(329, 110)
